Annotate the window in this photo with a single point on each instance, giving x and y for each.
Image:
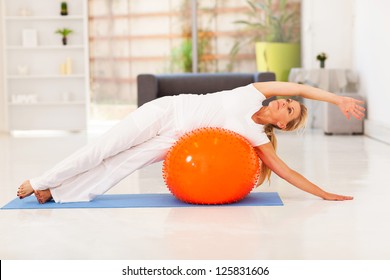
(129, 37)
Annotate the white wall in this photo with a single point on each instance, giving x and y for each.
(371, 58)
(354, 34)
(327, 26)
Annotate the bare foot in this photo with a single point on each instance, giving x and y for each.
(43, 196)
(25, 190)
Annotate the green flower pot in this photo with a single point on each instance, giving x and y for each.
(278, 58)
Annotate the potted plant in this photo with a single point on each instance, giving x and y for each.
(64, 32)
(321, 57)
(275, 28)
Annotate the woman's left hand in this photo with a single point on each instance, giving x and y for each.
(350, 106)
(337, 197)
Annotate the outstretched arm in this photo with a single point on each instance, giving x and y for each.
(348, 106)
(269, 157)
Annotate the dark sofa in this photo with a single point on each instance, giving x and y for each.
(154, 86)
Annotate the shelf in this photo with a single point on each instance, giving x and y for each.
(31, 77)
(43, 98)
(53, 47)
(40, 18)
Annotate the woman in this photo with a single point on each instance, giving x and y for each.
(145, 136)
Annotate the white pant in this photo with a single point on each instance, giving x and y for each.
(142, 138)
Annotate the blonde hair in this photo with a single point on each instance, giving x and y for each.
(298, 122)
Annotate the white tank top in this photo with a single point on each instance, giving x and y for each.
(229, 109)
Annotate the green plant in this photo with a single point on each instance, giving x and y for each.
(273, 21)
(181, 58)
(64, 32)
(322, 56)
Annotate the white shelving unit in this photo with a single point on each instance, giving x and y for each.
(39, 93)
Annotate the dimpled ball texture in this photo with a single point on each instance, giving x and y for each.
(211, 166)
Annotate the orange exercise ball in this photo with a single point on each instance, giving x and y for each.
(211, 166)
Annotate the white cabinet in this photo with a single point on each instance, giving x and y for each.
(46, 83)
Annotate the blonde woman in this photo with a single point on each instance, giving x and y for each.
(145, 136)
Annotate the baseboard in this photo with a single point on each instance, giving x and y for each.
(377, 130)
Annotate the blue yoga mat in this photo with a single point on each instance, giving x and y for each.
(141, 201)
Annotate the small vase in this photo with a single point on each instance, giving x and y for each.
(64, 41)
(322, 63)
